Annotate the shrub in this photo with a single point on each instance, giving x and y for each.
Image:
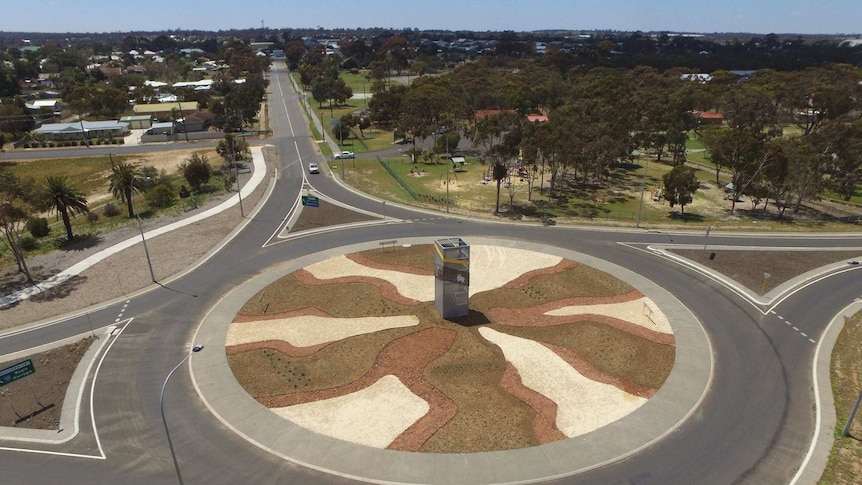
(92, 216)
(28, 243)
(196, 171)
(110, 210)
(38, 226)
(161, 195)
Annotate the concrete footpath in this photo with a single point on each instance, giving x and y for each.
(257, 177)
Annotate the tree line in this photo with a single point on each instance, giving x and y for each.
(786, 136)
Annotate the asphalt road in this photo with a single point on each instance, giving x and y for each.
(754, 427)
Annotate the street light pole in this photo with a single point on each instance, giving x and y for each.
(183, 117)
(447, 188)
(643, 189)
(143, 239)
(195, 349)
(236, 172)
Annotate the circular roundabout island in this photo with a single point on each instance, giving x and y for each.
(553, 353)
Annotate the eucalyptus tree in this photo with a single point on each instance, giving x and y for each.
(680, 184)
(17, 202)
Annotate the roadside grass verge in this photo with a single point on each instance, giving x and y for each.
(845, 458)
(90, 174)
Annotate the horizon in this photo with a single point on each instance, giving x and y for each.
(787, 17)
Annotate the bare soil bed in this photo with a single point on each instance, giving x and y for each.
(36, 400)
(748, 267)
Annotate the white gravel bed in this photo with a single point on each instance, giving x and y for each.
(493, 266)
(416, 287)
(642, 312)
(373, 416)
(309, 330)
(490, 267)
(583, 405)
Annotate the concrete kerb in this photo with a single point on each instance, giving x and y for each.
(817, 457)
(257, 177)
(679, 397)
(70, 413)
(771, 296)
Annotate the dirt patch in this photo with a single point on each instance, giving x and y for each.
(748, 267)
(36, 400)
(327, 214)
(477, 400)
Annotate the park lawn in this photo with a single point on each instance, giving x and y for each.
(694, 142)
(369, 177)
(359, 83)
(855, 199)
(618, 200)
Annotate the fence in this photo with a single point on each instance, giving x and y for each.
(430, 199)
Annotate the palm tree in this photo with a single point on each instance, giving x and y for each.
(125, 181)
(499, 173)
(62, 196)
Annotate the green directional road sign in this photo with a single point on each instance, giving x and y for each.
(310, 201)
(17, 371)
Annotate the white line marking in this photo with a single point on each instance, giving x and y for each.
(101, 455)
(817, 405)
(779, 317)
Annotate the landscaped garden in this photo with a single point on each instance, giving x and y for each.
(353, 347)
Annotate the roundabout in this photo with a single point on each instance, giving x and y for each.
(764, 419)
(336, 362)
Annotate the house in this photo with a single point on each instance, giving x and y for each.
(537, 118)
(166, 128)
(701, 78)
(79, 130)
(707, 117)
(199, 121)
(202, 85)
(165, 111)
(138, 122)
(52, 104)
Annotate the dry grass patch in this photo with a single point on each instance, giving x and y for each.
(845, 458)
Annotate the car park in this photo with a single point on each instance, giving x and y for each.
(313, 168)
(341, 155)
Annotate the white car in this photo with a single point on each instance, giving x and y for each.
(313, 168)
(341, 155)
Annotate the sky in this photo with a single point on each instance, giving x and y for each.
(706, 16)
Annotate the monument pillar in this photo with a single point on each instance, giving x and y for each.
(452, 277)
